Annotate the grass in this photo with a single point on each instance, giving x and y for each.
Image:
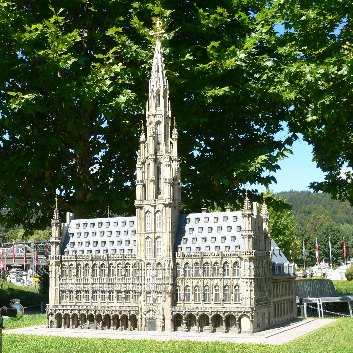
(26, 320)
(28, 296)
(333, 338)
(343, 287)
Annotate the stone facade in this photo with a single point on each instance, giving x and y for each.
(161, 269)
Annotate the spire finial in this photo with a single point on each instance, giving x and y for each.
(159, 31)
(174, 123)
(108, 212)
(142, 126)
(56, 201)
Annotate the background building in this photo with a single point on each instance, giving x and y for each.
(163, 270)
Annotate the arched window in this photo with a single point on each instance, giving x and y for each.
(187, 293)
(216, 294)
(236, 269)
(226, 294)
(178, 270)
(148, 272)
(102, 271)
(196, 269)
(197, 296)
(63, 271)
(206, 269)
(118, 270)
(158, 221)
(95, 270)
(186, 270)
(94, 295)
(158, 98)
(226, 269)
(159, 271)
(127, 270)
(148, 247)
(71, 270)
(236, 294)
(86, 271)
(178, 294)
(148, 221)
(159, 180)
(79, 270)
(159, 132)
(111, 270)
(206, 294)
(215, 270)
(159, 246)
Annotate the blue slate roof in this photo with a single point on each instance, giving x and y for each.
(206, 232)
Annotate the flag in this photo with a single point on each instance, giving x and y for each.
(36, 254)
(304, 251)
(1, 263)
(25, 256)
(317, 251)
(330, 248)
(344, 248)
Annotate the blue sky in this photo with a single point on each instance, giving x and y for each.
(298, 170)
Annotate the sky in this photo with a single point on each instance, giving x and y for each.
(297, 170)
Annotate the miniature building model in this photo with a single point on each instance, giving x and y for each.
(163, 270)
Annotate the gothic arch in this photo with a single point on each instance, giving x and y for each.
(124, 322)
(58, 319)
(116, 321)
(66, 320)
(217, 322)
(133, 322)
(106, 321)
(177, 321)
(230, 322)
(245, 324)
(191, 322)
(83, 320)
(74, 320)
(204, 321)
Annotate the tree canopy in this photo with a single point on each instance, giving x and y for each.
(74, 83)
(74, 80)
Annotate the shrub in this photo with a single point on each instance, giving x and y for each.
(349, 273)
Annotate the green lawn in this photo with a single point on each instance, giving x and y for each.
(26, 320)
(336, 337)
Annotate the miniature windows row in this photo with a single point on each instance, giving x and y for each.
(107, 224)
(211, 229)
(215, 219)
(103, 243)
(205, 240)
(103, 233)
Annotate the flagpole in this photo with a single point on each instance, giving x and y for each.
(330, 247)
(304, 254)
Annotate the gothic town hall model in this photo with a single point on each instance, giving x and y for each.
(162, 270)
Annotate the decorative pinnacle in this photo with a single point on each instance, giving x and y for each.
(174, 123)
(159, 31)
(56, 201)
(142, 127)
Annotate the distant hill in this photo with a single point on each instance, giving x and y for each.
(306, 204)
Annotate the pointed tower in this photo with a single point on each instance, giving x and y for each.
(54, 267)
(158, 195)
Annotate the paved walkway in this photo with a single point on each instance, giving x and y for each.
(276, 335)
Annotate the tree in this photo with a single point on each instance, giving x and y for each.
(284, 227)
(73, 85)
(316, 53)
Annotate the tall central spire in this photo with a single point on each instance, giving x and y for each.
(158, 100)
(158, 194)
